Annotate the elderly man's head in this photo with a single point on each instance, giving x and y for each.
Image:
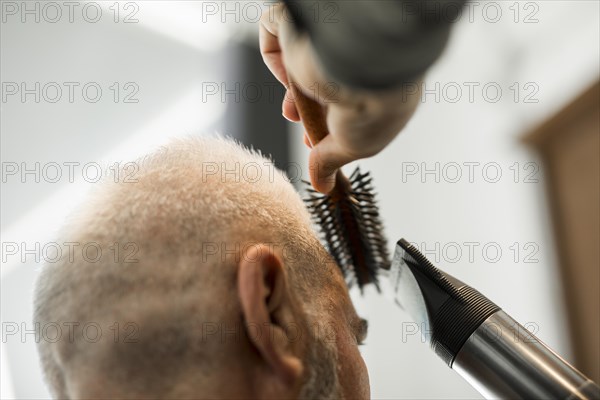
(201, 278)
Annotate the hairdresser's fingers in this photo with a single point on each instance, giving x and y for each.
(358, 129)
(274, 29)
(363, 125)
(270, 47)
(287, 52)
(324, 161)
(289, 110)
(302, 65)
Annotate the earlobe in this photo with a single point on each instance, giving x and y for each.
(267, 309)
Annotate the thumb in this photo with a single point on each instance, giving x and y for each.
(324, 161)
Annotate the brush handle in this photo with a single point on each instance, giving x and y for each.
(312, 115)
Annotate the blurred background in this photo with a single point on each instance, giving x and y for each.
(495, 178)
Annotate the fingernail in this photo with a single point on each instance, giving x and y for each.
(284, 116)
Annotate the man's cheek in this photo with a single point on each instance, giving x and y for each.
(354, 377)
(362, 376)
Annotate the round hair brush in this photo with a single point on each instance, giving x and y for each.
(348, 215)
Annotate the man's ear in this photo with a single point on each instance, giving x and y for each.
(268, 312)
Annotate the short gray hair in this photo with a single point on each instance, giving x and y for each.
(172, 230)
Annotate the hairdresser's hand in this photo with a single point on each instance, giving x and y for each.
(361, 123)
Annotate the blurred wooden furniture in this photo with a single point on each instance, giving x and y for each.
(569, 144)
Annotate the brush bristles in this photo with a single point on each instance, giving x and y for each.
(352, 230)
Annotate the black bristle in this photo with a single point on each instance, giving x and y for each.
(352, 230)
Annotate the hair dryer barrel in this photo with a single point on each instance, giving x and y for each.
(502, 359)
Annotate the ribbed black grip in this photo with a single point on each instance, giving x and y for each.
(457, 319)
(455, 310)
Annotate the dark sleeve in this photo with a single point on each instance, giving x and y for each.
(376, 44)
